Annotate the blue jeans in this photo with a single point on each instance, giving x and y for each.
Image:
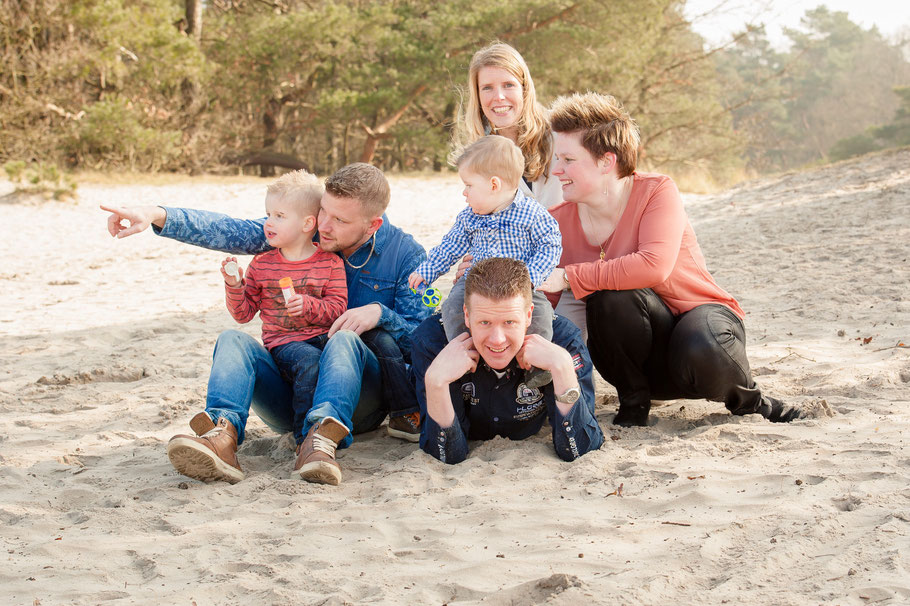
(244, 375)
(298, 363)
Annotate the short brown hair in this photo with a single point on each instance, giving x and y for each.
(300, 188)
(494, 156)
(498, 279)
(364, 183)
(604, 126)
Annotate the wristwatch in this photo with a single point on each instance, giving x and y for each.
(570, 396)
(565, 278)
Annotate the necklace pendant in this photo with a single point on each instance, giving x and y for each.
(602, 254)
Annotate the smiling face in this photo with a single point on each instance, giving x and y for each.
(498, 328)
(285, 225)
(582, 177)
(501, 97)
(342, 226)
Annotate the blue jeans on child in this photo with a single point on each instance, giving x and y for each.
(244, 375)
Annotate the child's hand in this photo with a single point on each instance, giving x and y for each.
(415, 280)
(233, 273)
(294, 305)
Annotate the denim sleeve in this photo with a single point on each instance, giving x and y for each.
(215, 231)
(449, 445)
(578, 432)
(408, 310)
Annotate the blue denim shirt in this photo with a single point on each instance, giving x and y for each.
(383, 280)
(487, 405)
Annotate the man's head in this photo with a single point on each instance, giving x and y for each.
(292, 203)
(355, 198)
(490, 168)
(497, 308)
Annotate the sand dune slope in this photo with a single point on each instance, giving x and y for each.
(105, 348)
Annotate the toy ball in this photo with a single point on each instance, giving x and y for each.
(431, 297)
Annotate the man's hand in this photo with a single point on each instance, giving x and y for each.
(232, 280)
(359, 319)
(466, 262)
(138, 217)
(547, 355)
(555, 282)
(415, 280)
(455, 359)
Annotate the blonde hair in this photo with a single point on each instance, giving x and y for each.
(494, 156)
(534, 134)
(498, 279)
(604, 126)
(300, 188)
(364, 183)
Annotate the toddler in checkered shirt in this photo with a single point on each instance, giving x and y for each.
(500, 221)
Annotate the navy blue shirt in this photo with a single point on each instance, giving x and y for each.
(488, 403)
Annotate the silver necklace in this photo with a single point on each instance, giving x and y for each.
(372, 248)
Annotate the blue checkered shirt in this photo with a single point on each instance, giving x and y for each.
(524, 230)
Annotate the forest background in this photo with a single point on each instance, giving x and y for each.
(228, 86)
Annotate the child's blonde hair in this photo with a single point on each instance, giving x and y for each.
(302, 189)
(493, 156)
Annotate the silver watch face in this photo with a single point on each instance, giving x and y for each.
(570, 396)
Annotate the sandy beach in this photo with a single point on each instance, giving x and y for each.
(106, 348)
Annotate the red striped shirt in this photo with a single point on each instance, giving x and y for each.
(320, 278)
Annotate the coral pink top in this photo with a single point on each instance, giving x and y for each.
(653, 246)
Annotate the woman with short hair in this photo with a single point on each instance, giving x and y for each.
(658, 324)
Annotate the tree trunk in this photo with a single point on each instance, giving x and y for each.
(194, 18)
(381, 131)
(269, 135)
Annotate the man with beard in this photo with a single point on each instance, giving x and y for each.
(363, 373)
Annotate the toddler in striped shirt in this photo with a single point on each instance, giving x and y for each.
(499, 221)
(294, 329)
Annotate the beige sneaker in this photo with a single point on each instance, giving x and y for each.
(209, 455)
(316, 454)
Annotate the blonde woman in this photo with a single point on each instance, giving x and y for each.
(501, 100)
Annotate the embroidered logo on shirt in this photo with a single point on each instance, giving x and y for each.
(526, 395)
(467, 392)
(576, 362)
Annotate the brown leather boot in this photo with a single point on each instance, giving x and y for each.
(210, 455)
(316, 454)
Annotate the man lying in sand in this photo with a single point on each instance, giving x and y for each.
(473, 387)
(363, 373)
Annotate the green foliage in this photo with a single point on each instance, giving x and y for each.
(40, 178)
(894, 134)
(111, 132)
(817, 100)
(111, 84)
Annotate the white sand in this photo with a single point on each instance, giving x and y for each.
(106, 347)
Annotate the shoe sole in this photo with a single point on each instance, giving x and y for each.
(195, 461)
(403, 435)
(318, 472)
